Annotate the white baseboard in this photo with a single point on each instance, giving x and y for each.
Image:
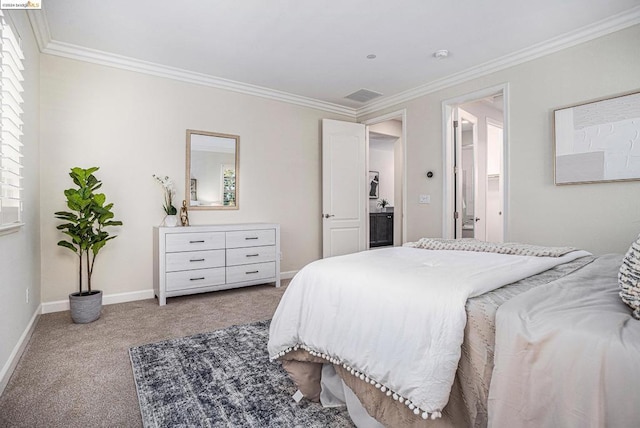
(131, 296)
(288, 275)
(110, 299)
(63, 305)
(107, 299)
(12, 362)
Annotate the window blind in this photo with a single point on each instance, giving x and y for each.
(11, 127)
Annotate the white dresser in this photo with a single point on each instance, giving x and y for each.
(197, 259)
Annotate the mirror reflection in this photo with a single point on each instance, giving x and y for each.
(212, 170)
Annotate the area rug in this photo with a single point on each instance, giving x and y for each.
(222, 379)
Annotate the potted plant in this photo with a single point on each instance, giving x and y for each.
(170, 219)
(85, 226)
(383, 203)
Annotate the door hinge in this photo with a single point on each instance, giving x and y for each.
(455, 215)
(455, 169)
(455, 123)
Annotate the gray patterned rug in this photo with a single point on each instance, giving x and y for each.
(222, 379)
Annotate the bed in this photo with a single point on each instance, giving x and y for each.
(318, 324)
(568, 354)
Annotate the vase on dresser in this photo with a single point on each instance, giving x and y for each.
(171, 221)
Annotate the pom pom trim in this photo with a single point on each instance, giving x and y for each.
(363, 377)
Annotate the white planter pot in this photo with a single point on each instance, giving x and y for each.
(171, 221)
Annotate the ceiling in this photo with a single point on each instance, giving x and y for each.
(316, 52)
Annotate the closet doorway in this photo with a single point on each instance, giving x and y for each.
(475, 182)
(385, 165)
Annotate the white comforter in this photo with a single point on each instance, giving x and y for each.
(394, 316)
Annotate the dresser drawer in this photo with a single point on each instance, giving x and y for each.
(194, 241)
(245, 256)
(251, 272)
(194, 260)
(196, 278)
(251, 238)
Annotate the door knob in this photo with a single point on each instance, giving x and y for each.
(328, 215)
(477, 219)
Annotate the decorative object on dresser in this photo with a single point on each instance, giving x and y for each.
(184, 214)
(380, 229)
(85, 225)
(214, 257)
(170, 220)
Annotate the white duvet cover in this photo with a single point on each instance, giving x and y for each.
(395, 316)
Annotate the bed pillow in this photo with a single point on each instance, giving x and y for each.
(629, 278)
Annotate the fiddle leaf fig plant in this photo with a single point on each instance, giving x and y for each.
(85, 224)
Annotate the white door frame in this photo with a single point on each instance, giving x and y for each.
(447, 149)
(378, 119)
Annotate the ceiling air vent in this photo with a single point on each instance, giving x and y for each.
(363, 95)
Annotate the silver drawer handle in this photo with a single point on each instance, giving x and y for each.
(196, 279)
(252, 255)
(196, 242)
(196, 260)
(251, 237)
(254, 271)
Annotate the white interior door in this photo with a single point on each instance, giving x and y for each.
(470, 218)
(457, 173)
(474, 219)
(344, 188)
(495, 138)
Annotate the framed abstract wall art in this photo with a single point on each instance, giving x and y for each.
(598, 141)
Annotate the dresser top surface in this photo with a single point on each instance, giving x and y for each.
(216, 227)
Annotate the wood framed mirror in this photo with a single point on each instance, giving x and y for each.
(213, 166)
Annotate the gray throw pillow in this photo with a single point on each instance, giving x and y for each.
(629, 278)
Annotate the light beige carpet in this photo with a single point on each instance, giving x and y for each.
(75, 375)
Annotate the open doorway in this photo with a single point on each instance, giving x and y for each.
(382, 178)
(475, 146)
(468, 195)
(385, 160)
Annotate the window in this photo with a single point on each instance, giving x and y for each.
(11, 126)
(228, 185)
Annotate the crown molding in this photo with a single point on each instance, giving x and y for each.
(40, 27)
(610, 25)
(94, 56)
(47, 45)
